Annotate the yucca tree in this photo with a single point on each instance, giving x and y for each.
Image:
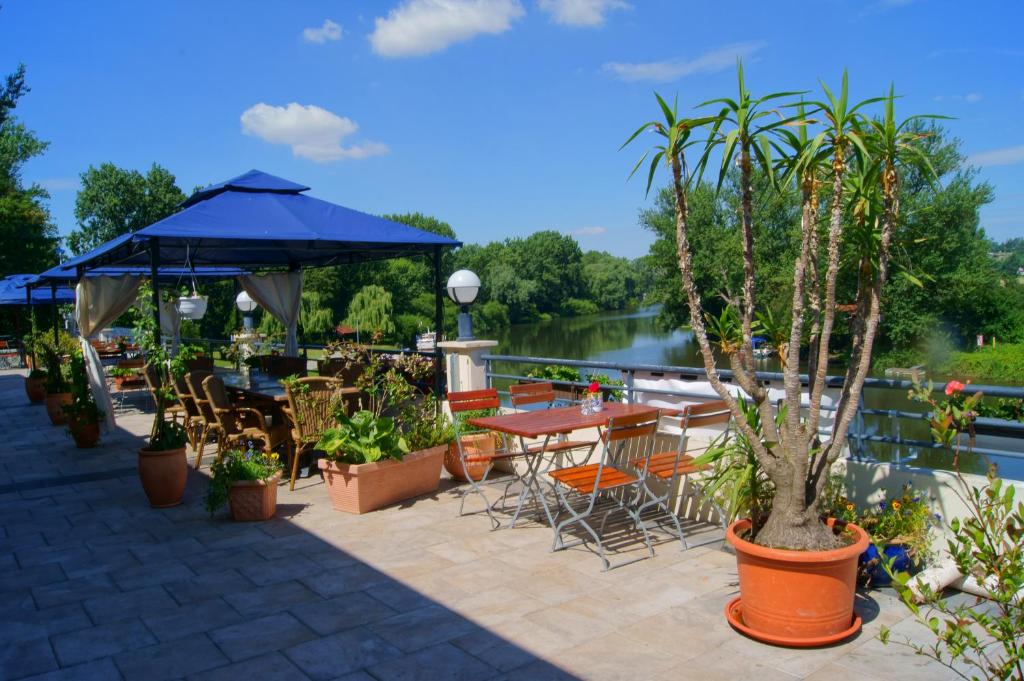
(848, 170)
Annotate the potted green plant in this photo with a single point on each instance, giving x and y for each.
(82, 414)
(373, 460)
(247, 482)
(840, 169)
(58, 391)
(35, 386)
(124, 376)
(163, 467)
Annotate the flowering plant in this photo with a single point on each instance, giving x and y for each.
(906, 519)
(237, 465)
(594, 388)
(951, 416)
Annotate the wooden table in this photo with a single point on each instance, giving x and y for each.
(260, 386)
(547, 423)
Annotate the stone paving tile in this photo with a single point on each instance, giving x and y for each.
(100, 641)
(274, 666)
(136, 603)
(498, 652)
(72, 590)
(423, 627)
(219, 560)
(208, 585)
(539, 670)
(252, 637)
(342, 612)
(22, 623)
(26, 658)
(343, 580)
(18, 579)
(149, 575)
(270, 599)
(170, 660)
(443, 661)
(192, 619)
(281, 570)
(332, 656)
(98, 670)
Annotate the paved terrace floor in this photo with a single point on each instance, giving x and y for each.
(97, 585)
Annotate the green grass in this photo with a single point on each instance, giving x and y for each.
(1003, 364)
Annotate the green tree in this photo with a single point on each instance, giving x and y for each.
(114, 201)
(370, 311)
(27, 232)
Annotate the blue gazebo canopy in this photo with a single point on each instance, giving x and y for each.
(13, 292)
(257, 220)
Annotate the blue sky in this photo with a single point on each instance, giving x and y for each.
(501, 117)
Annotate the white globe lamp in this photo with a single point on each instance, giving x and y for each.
(463, 288)
(246, 305)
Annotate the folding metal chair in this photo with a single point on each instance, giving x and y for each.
(670, 471)
(624, 438)
(524, 394)
(473, 400)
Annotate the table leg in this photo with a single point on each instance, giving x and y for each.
(532, 484)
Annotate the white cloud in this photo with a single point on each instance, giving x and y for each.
(667, 71)
(329, 31)
(60, 184)
(580, 12)
(970, 98)
(310, 131)
(1006, 156)
(589, 231)
(418, 27)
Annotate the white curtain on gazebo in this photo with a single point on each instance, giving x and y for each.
(280, 294)
(170, 323)
(98, 302)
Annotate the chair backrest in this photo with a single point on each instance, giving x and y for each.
(184, 394)
(194, 380)
(311, 402)
(471, 400)
(286, 366)
(706, 414)
(348, 372)
(199, 364)
(152, 377)
(531, 393)
(639, 424)
(220, 405)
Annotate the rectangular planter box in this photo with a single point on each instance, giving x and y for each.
(360, 488)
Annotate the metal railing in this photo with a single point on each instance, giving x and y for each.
(866, 430)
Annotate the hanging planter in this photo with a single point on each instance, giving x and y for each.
(193, 306)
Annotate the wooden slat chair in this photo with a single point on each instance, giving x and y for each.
(524, 394)
(172, 412)
(193, 418)
(625, 437)
(671, 470)
(311, 404)
(473, 400)
(240, 426)
(207, 419)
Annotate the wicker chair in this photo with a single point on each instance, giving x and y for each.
(207, 419)
(311, 403)
(347, 371)
(193, 417)
(240, 425)
(172, 412)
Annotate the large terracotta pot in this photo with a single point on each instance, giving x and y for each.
(85, 433)
(54, 402)
(359, 488)
(478, 443)
(253, 499)
(795, 598)
(35, 388)
(163, 475)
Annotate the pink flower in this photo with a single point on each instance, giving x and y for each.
(954, 387)
(594, 387)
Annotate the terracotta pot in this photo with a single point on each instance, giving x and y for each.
(359, 488)
(472, 444)
(35, 388)
(54, 402)
(85, 433)
(253, 499)
(163, 475)
(795, 598)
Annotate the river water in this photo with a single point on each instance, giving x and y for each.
(635, 338)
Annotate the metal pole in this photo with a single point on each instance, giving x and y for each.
(30, 351)
(438, 324)
(53, 301)
(154, 267)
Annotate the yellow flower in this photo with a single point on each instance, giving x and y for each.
(849, 507)
(896, 505)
